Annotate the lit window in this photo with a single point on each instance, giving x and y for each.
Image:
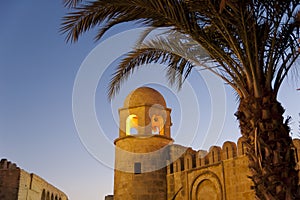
(157, 124)
(131, 125)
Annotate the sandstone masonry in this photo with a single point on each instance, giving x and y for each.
(17, 184)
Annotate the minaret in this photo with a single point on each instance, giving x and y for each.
(142, 147)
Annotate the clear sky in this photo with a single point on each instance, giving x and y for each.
(41, 128)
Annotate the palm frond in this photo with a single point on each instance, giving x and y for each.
(254, 42)
(149, 13)
(170, 48)
(178, 51)
(176, 66)
(144, 35)
(71, 3)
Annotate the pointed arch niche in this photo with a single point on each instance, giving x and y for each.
(157, 125)
(132, 125)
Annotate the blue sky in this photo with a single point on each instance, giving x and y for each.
(37, 75)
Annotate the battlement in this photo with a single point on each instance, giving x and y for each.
(7, 165)
(191, 159)
(16, 183)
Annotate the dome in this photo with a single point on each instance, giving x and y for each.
(144, 96)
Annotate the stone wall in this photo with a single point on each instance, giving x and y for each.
(17, 184)
(9, 180)
(220, 173)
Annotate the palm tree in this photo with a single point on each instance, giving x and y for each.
(252, 45)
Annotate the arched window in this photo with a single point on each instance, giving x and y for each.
(171, 168)
(131, 125)
(43, 197)
(157, 124)
(48, 196)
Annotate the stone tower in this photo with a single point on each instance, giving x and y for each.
(142, 147)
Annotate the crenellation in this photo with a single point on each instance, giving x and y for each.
(229, 150)
(13, 166)
(177, 165)
(241, 146)
(201, 159)
(214, 154)
(3, 164)
(188, 161)
(18, 184)
(191, 159)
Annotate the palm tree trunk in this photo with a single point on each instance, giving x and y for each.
(270, 148)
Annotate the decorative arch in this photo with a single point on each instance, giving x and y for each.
(212, 184)
(48, 196)
(241, 147)
(43, 197)
(178, 165)
(132, 124)
(177, 194)
(188, 162)
(157, 124)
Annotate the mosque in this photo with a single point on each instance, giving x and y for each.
(149, 166)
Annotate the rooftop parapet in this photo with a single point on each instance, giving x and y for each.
(190, 158)
(7, 165)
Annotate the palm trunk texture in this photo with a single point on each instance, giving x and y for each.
(270, 148)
